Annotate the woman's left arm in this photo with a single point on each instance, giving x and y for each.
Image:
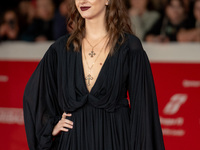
(146, 133)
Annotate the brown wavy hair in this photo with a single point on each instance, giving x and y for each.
(117, 24)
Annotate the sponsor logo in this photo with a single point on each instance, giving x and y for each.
(11, 116)
(191, 83)
(173, 132)
(3, 78)
(175, 103)
(171, 108)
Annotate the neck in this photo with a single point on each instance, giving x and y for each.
(95, 28)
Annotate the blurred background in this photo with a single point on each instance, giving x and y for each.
(152, 20)
(168, 29)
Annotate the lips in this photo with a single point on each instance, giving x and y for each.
(84, 8)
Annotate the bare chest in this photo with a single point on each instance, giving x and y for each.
(93, 62)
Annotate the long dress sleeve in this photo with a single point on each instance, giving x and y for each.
(145, 129)
(40, 104)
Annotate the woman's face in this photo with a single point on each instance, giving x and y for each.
(197, 10)
(90, 9)
(139, 3)
(45, 9)
(175, 11)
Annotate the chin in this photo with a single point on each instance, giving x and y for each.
(87, 16)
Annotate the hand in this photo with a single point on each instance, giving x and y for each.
(159, 39)
(60, 126)
(163, 39)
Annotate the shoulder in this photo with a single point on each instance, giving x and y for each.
(56, 49)
(58, 46)
(60, 42)
(133, 42)
(135, 48)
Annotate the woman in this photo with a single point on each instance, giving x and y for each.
(167, 27)
(41, 28)
(191, 32)
(77, 98)
(142, 18)
(9, 26)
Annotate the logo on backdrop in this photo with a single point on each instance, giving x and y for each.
(11, 116)
(172, 107)
(175, 103)
(191, 83)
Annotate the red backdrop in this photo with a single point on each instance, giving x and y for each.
(177, 86)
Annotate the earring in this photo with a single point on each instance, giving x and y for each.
(107, 2)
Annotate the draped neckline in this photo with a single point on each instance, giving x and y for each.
(99, 74)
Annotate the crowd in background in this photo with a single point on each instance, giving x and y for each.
(151, 20)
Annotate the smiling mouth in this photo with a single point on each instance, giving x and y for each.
(85, 8)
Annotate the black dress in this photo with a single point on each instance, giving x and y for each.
(102, 118)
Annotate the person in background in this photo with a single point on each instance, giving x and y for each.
(191, 33)
(26, 10)
(60, 21)
(142, 18)
(42, 27)
(9, 27)
(27, 14)
(167, 27)
(186, 2)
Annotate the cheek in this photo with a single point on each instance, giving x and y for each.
(143, 3)
(169, 12)
(135, 3)
(77, 4)
(180, 11)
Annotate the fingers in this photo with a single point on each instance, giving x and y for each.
(68, 126)
(63, 124)
(64, 129)
(64, 115)
(66, 122)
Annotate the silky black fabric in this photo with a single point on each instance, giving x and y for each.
(102, 118)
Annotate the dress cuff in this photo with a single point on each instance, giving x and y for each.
(47, 138)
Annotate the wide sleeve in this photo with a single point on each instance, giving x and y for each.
(40, 104)
(145, 128)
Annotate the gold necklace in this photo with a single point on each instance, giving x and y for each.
(89, 77)
(92, 53)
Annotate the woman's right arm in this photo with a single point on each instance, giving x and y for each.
(40, 102)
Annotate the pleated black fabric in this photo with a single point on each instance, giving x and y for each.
(102, 117)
